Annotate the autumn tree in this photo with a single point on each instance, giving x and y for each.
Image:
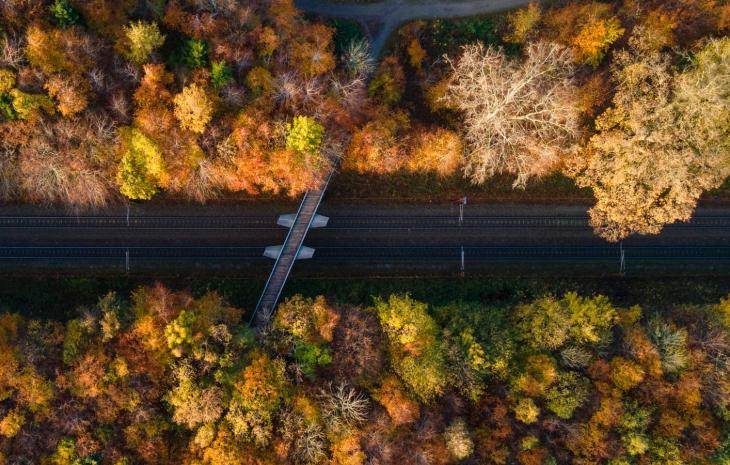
(663, 142)
(548, 323)
(305, 135)
(141, 166)
(594, 39)
(396, 401)
(193, 108)
(520, 115)
(522, 23)
(415, 351)
(72, 95)
(140, 40)
(435, 150)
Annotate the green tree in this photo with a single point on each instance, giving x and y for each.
(305, 135)
(548, 322)
(220, 74)
(193, 54)
(569, 392)
(26, 106)
(415, 350)
(310, 357)
(6, 107)
(480, 344)
(141, 166)
(179, 333)
(140, 40)
(64, 14)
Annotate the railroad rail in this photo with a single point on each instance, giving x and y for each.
(386, 254)
(336, 222)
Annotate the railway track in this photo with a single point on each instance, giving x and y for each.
(336, 223)
(394, 254)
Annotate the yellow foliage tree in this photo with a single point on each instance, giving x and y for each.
(193, 108)
(594, 39)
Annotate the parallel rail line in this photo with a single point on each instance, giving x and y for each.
(378, 253)
(336, 222)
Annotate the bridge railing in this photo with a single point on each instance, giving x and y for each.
(278, 259)
(321, 191)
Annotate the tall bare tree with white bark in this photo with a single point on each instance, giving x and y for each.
(520, 115)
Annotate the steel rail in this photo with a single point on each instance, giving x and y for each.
(336, 222)
(374, 253)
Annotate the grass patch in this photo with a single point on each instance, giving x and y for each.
(60, 298)
(651, 293)
(405, 186)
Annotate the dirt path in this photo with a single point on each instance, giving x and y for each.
(381, 19)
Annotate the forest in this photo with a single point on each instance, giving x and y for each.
(164, 377)
(102, 100)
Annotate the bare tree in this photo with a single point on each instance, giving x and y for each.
(344, 406)
(12, 51)
(520, 115)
